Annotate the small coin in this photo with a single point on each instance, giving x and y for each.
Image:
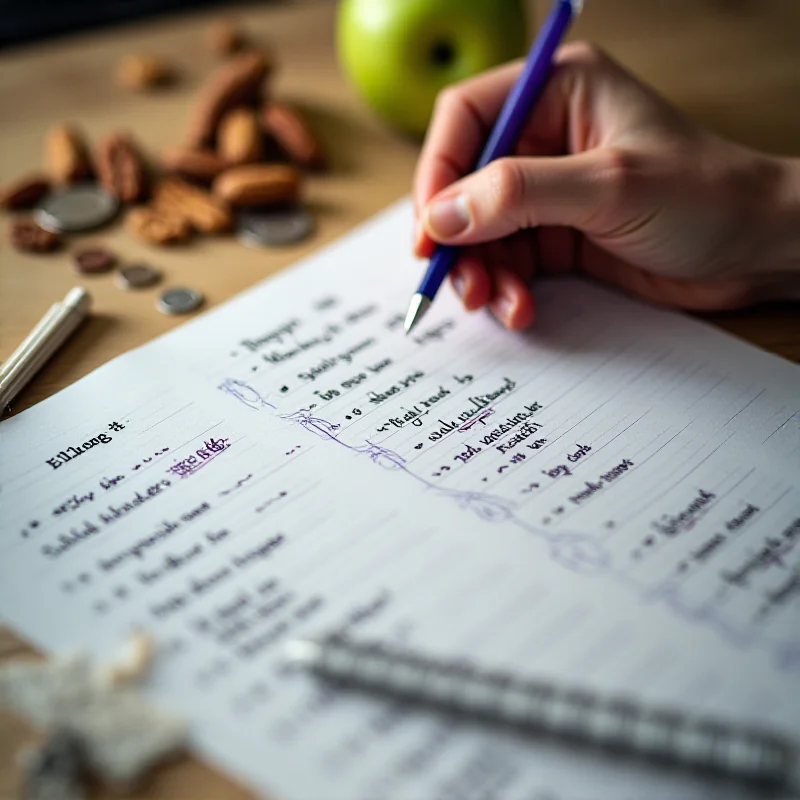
(138, 276)
(94, 259)
(77, 208)
(274, 228)
(179, 301)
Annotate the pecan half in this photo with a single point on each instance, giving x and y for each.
(24, 192)
(294, 136)
(154, 226)
(195, 165)
(237, 83)
(205, 213)
(68, 155)
(27, 236)
(122, 169)
(259, 185)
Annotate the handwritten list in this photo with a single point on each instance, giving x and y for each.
(612, 499)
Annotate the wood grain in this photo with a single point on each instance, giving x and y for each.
(733, 64)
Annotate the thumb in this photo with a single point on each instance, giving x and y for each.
(515, 193)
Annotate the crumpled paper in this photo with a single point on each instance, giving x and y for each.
(115, 734)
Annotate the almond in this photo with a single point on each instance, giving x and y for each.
(259, 185)
(294, 136)
(142, 71)
(24, 192)
(67, 155)
(199, 165)
(156, 227)
(239, 138)
(237, 83)
(200, 209)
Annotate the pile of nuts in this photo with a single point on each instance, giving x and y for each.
(241, 150)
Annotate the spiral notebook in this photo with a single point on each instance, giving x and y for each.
(612, 500)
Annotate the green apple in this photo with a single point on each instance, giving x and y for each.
(401, 53)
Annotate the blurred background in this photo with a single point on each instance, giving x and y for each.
(688, 44)
(35, 19)
(734, 65)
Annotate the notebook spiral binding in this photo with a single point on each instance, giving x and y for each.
(618, 723)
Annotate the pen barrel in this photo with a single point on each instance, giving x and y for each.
(618, 723)
(442, 261)
(28, 342)
(529, 86)
(50, 333)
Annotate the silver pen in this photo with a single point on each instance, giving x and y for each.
(52, 330)
(618, 724)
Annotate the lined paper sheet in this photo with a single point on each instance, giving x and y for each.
(612, 499)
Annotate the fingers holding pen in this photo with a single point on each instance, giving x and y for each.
(510, 195)
(513, 194)
(462, 119)
(465, 113)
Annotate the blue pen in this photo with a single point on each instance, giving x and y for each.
(505, 134)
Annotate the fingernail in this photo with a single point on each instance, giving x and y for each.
(501, 308)
(449, 217)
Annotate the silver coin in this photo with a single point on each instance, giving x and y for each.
(179, 301)
(77, 208)
(137, 276)
(274, 228)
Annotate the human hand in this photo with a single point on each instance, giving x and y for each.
(609, 180)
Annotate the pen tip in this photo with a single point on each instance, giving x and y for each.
(416, 311)
(78, 299)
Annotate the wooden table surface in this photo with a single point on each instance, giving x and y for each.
(734, 64)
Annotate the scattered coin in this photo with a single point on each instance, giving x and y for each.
(94, 259)
(274, 228)
(179, 301)
(77, 208)
(138, 276)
